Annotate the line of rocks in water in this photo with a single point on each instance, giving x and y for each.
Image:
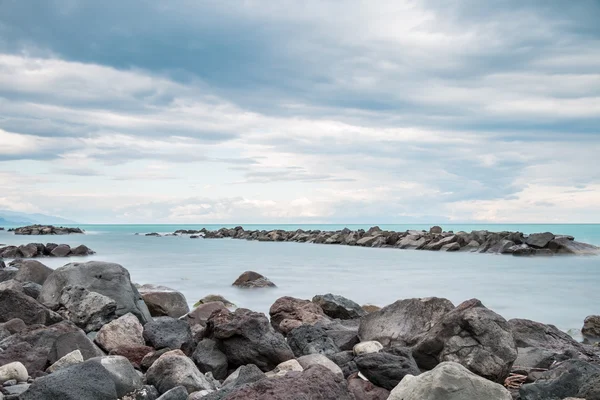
(34, 250)
(45, 230)
(482, 241)
(89, 333)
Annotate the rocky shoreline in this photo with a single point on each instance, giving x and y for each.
(45, 230)
(34, 250)
(483, 241)
(85, 331)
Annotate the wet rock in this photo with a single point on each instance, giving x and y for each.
(163, 301)
(72, 358)
(14, 370)
(336, 306)
(319, 359)
(174, 369)
(288, 313)
(16, 304)
(251, 279)
(308, 339)
(387, 369)
(88, 310)
(539, 240)
(208, 358)
(167, 332)
(135, 354)
(365, 390)
(122, 332)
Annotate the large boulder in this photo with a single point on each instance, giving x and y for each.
(108, 279)
(336, 306)
(88, 310)
(16, 304)
(174, 369)
(403, 322)
(124, 331)
(448, 381)
(251, 279)
(208, 358)
(309, 339)
(288, 313)
(125, 378)
(566, 246)
(167, 332)
(387, 369)
(539, 240)
(62, 250)
(247, 337)
(32, 271)
(163, 301)
(473, 336)
(71, 341)
(74, 357)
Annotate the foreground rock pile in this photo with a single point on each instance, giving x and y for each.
(34, 250)
(89, 333)
(515, 243)
(44, 230)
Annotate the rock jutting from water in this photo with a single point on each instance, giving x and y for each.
(44, 230)
(90, 334)
(34, 250)
(515, 243)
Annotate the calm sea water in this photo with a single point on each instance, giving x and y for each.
(557, 290)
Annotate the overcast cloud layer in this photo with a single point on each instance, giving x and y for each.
(313, 111)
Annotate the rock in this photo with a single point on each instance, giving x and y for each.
(251, 279)
(567, 246)
(473, 336)
(247, 337)
(200, 314)
(32, 271)
(536, 357)
(164, 301)
(89, 381)
(216, 297)
(147, 392)
(108, 279)
(288, 313)
(365, 390)
(451, 247)
(74, 357)
(336, 306)
(122, 332)
(177, 393)
(435, 230)
(448, 381)
(344, 339)
(174, 369)
(369, 308)
(70, 341)
(316, 382)
(284, 368)
(372, 346)
(387, 369)
(15, 304)
(14, 391)
(567, 379)
(319, 359)
(367, 241)
(151, 357)
(539, 240)
(436, 244)
(208, 358)
(28, 250)
(404, 321)
(45, 230)
(591, 328)
(308, 339)
(62, 250)
(88, 310)
(125, 378)
(135, 354)
(14, 370)
(31, 289)
(345, 360)
(167, 332)
(81, 250)
(245, 374)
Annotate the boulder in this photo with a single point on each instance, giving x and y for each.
(387, 369)
(32, 271)
(31, 289)
(147, 392)
(319, 359)
(208, 358)
(537, 357)
(62, 250)
(200, 314)
(174, 369)
(122, 332)
(135, 354)
(372, 346)
(163, 301)
(81, 250)
(437, 244)
(167, 332)
(70, 341)
(177, 393)
(591, 328)
(566, 246)
(345, 360)
(245, 374)
(13, 370)
(16, 304)
(539, 240)
(216, 297)
(247, 337)
(251, 279)
(448, 381)
(74, 357)
(88, 310)
(108, 279)
(309, 339)
(151, 357)
(365, 390)
(284, 368)
(436, 230)
(344, 339)
(125, 378)
(473, 336)
(288, 313)
(336, 306)
(403, 322)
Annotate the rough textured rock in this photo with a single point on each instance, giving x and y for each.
(404, 321)
(591, 328)
(448, 381)
(163, 301)
(31, 289)
(316, 383)
(88, 310)
(539, 240)
(108, 279)
(336, 306)
(135, 354)
(216, 297)
(344, 339)
(125, 378)
(62, 250)
(245, 374)
(288, 313)
(208, 358)
(365, 390)
(199, 315)
(167, 332)
(44, 230)
(251, 279)
(565, 380)
(122, 332)
(319, 359)
(284, 368)
(345, 360)
(174, 369)
(387, 369)
(71, 341)
(308, 339)
(537, 357)
(72, 358)
(16, 304)
(32, 271)
(473, 336)
(14, 370)
(247, 337)
(177, 393)
(371, 346)
(147, 392)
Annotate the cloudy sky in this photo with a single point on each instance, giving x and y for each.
(301, 111)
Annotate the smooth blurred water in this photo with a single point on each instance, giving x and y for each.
(557, 290)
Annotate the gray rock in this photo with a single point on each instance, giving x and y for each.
(16, 304)
(14, 391)
(344, 339)
(125, 378)
(536, 357)
(208, 358)
(245, 374)
(177, 393)
(88, 310)
(319, 359)
(539, 240)
(32, 271)
(167, 332)
(81, 250)
(74, 357)
(566, 246)
(68, 342)
(387, 369)
(174, 369)
(62, 250)
(336, 306)
(163, 301)
(108, 279)
(435, 230)
(32, 289)
(125, 331)
(147, 392)
(591, 328)
(309, 339)
(345, 360)
(251, 279)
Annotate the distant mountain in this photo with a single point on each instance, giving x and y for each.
(19, 218)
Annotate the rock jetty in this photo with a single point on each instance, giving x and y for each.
(34, 250)
(44, 230)
(89, 333)
(515, 243)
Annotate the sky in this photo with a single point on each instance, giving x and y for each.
(281, 111)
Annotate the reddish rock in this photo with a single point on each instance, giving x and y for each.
(365, 390)
(135, 354)
(288, 313)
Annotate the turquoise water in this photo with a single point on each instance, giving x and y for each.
(557, 290)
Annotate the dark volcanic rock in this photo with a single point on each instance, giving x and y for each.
(177, 393)
(387, 369)
(208, 358)
(251, 279)
(163, 301)
(308, 339)
(44, 230)
(167, 332)
(365, 390)
(245, 374)
(135, 354)
(336, 306)
(88, 310)
(32, 271)
(539, 240)
(62, 250)
(591, 328)
(125, 378)
(288, 313)
(71, 341)
(16, 304)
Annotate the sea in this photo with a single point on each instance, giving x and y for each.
(559, 290)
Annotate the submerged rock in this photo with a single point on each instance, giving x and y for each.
(251, 279)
